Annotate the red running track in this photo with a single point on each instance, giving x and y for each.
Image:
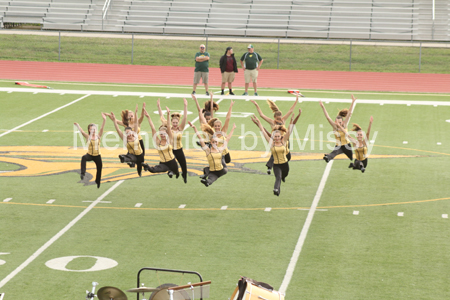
(289, 79)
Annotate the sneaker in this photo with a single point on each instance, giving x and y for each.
(231, 93)
(276, 192)
(256, 94)
(207, 94)
(121, 157)
(205, 182)
(193, 92)
(82, 176)
(222, 93)
(170, 174)
(351, 165)
(269, 171)
(245, 94)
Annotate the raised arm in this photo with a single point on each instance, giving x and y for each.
(267, 119)
(211, 105)
(368, 129)
(231, 133)
(169, 130)
(201, 117)
(183, 121)
(227, 119)
(291, 110)
(327, 115)
(289, 129)
(100, 133)
(151, 124)
(142, 114)
(256, 121)
(299, 114)
(136, 124)
(350, 112)
(161, 116)
(118, 121)
(86, 136)
(113, 118)
(202, 142)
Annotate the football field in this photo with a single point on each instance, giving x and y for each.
(333, 233)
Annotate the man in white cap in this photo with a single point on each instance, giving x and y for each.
(201, 69)
(251, 62)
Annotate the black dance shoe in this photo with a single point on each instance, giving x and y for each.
(351, 165)
(325, 158)
(122, 158)
(146, 167)
(203, 176)
(269, 171)
(82, 176)
(205, 182)
(131, 164)
(178, 175)
(363, 169)
(170, 174)
(184, 177)
(276, 192)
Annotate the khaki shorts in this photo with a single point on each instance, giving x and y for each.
(203, 75)
(228, 76)
(250, 75)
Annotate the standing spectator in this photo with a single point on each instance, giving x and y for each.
(228, 68)
(251, 62)
(201, 69)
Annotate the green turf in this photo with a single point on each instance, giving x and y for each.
(373, 255)
(181, 53)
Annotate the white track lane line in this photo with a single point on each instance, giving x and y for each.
(245, 98)
(301, 239)
(44, 115)
(58, 235)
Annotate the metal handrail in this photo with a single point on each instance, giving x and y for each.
(105, 10)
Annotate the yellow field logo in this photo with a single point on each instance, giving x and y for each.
(33, 161)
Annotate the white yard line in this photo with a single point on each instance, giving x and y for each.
(237, 97)
(44, 115)
(301, 240)
(57, 236)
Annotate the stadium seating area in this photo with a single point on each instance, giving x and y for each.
(358, 19)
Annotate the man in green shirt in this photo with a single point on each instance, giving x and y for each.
(251, 62)
(201, 69)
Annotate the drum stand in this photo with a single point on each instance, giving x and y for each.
(90, 295)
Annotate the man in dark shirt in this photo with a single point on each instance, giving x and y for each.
(201, 68)
(251, 63)
(228, 68)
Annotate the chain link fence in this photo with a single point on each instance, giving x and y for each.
(289, 54)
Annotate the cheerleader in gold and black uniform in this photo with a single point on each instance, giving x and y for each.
(135, 153)
(162, 140)
(360, 145)
(278, 148)
(220, 131)
(342, 143)
(178, 126)
(214, 155)
(205, 114)
(93, 154)
(128, 120)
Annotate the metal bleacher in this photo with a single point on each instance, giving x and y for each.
(357, 19)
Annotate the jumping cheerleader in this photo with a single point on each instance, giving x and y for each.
(278, 148)
(278, 120)
(177, 132)
(360, 145)
(282, 128)
(135, 153)
(342, 143)
(167, 159)
(216, 168)
(93, 154)
(207, 112)
(128, 120)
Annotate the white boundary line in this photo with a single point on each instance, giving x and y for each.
(301, 239)
(44, 115)
(58, 235)
(264, 98)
